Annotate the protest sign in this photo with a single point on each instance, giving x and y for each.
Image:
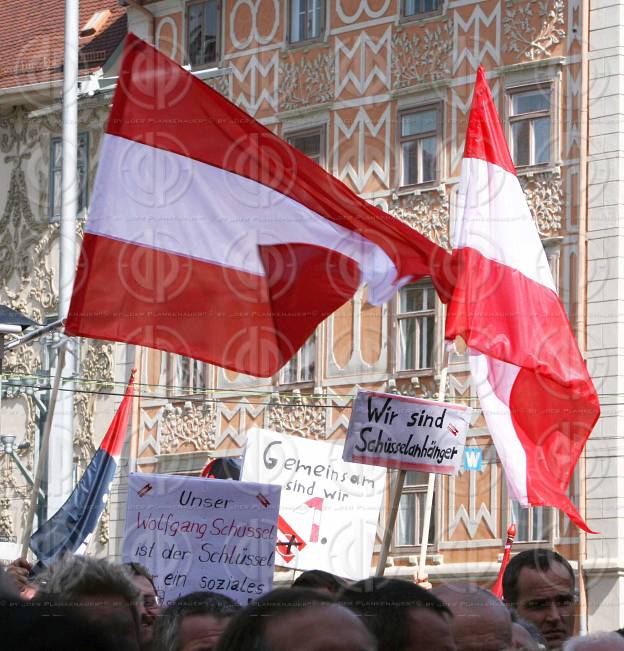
(202, 534)
(407, 433)
(329, 508)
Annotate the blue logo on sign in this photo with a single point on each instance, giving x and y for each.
(473, 458)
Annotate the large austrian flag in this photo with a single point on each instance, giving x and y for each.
(536, 394)
(211, 237)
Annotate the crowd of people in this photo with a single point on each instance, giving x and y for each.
(91, 604)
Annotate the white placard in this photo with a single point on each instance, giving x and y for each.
(329, 508)
(202, 534)
(407, 433)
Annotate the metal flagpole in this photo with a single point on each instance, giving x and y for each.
(43, 451)
(61, 453)
(424, 541)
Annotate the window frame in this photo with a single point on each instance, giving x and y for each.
(307, 40)
(405, 17)
(83, 140)
(187, 20)
(512, 119)
(420, 490)
(298, 381)
(548, 524)
(438, 107)
(308, 131)
(177, 390)
(401, 316)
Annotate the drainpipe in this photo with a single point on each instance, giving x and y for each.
(581, 310)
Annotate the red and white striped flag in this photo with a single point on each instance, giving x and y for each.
(536, 394)
(211, 237)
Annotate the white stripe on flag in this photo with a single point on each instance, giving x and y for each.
(492, 216)
(494, 380)
(179, 205)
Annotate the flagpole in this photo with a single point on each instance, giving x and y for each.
(424, 541)
(394, 509)
(61, 451)
(497, 588)
(43, 451)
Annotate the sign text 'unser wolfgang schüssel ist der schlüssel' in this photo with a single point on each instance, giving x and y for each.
(202, 534)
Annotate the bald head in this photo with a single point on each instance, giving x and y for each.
(480, 620)
(596, 642)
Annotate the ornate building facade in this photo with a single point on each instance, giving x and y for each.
(30, 182)
(378, 93)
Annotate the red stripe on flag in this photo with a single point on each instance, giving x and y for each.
(116, 434)
(140, 295)
(500, 312)
(553, 424)
(485, 138)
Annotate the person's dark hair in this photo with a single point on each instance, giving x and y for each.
(167, 626)
(245, 632)
(320, 580)
(383, 605)
(85, 576)
(535, 559)
(32, 626)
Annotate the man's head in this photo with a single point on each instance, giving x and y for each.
(319, 580)
(53, 628)
(525, 635)
(539, 584)
(296, 618)
(595, 642)
(98, 591)
(148, 601)
(193, 622)
(522, 639)
(480, 620)
(401, 615)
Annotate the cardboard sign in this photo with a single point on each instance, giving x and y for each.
(202, 534)
(329, 509)
(407, 433)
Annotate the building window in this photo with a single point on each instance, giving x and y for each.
(189, 377)
(202, 34)
(56, 161)
(419, 7)
(306, 19)
(530, 121)
(301, 366)
(416, 327)
(533, 523)
(411, 514)
(311, 142)
(419, 135)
